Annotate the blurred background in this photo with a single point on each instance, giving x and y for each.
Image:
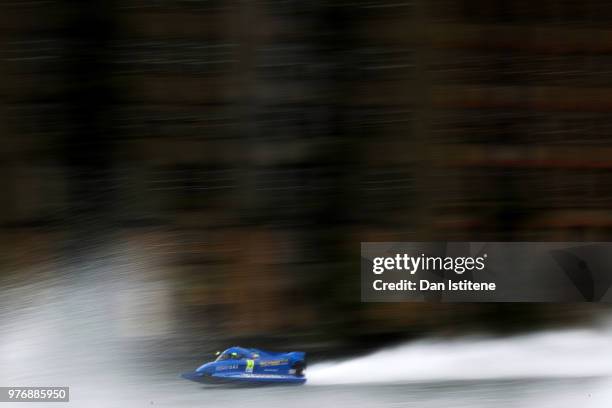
(178, 175)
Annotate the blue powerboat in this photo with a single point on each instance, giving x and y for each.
(238, 365)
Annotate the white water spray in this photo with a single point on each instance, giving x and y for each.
(561, 354)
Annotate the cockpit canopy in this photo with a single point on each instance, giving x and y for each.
(229, 356)
(236, 353)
